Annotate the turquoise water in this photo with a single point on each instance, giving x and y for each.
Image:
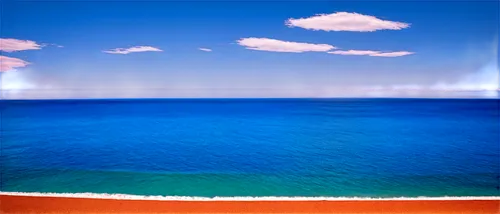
(253, 147)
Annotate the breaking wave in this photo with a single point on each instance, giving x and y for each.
(236, 198)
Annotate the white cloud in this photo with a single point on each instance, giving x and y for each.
(14, 81)
(371, 53)
(274, 45)
(462, 87)
(344, 21)
(393, 54)
(132, 50)
(205, 49)
(59, 46)
(483, 83)
(9, 63)
(12, 45)
(486, 78)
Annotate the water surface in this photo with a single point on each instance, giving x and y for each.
(253, 147)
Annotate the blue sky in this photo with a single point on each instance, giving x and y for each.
(79, 49)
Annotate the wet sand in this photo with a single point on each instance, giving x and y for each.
(35, 204)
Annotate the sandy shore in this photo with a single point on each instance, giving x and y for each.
(49, 204)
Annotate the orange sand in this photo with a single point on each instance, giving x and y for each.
(30, 204)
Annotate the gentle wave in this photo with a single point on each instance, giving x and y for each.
(237, 198)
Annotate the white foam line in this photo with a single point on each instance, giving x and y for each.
(237, 198)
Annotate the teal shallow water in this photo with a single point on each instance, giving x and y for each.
(340, 147)
(210, 185)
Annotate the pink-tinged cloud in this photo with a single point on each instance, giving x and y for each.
(344, 21)
(274, 45)
(205, 49)
(372, 53)
(135, 49)
(11, 45)
(9, 63)
(354, 52)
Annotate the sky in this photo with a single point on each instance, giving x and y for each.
(203, 49)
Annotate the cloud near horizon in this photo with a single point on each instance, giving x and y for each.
(484, 81)
(371, 53)
(13, 82)
(134, 49)
(274, 45)
(486, 78)
(12, 45)
(9, 63)
(344, 21)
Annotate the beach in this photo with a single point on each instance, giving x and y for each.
(54, 204)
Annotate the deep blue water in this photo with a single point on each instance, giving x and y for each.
(253, 147)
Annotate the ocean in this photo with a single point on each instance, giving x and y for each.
(252, 147)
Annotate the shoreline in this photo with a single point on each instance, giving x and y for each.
(117, 196)
(60, 203)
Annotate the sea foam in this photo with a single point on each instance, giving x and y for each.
(237, 198)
